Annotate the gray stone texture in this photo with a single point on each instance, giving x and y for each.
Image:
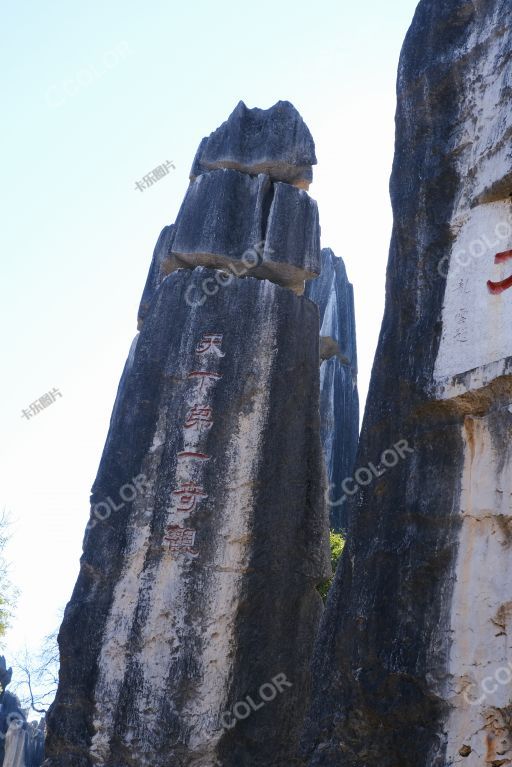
(157, 271)
(157, 645)
(292, 240)
(227, 214)
(222, 217)
(273, 141)
(339, 401)
(408, 632)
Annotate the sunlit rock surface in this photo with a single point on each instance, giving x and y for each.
(412, 665)
(339, 402)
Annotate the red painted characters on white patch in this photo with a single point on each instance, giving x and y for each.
(199, 415)
(210, 342)
(189, 494)
(181, 539)
(499, 287)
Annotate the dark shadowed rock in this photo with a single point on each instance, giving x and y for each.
(292, 240)
(34, 750)
(412, 662)
(158, 644)
(157, 271)
(196, 169)
(339, 402)
(273, 141)
(222, 217)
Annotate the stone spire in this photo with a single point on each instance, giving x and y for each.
(339, 401)
(188, 635)
(413, 660)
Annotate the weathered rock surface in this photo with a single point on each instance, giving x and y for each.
(292, 239)
(190, 631)
(15, 741)
(234, 217)
(226, 214)
(11, 718)
(412, 661)
(158, 644)
(339, 402)
(273, 141)
(34, 748)
(223, 215)
(159, 268)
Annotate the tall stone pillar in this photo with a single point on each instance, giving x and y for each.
(188, 636)
(413, 662)
(339, 400)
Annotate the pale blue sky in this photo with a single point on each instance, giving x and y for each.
(94, 96)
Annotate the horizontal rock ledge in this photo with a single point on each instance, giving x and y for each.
(229, 220)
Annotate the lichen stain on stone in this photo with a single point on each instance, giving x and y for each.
(498, 736)
(469, 434)
(505, 526)
(481, 607)
(502, 617)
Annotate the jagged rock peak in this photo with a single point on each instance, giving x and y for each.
(275, 141)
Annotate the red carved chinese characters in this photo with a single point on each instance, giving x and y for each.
(210, 342)
(197, 420)
(189, 494)
(499, 287)
(199, 415)
(191, 454)
(181, 539)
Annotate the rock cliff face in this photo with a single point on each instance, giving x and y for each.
(412, 665)
(196, 605)
(339, 402)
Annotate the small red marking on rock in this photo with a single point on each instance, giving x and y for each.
(499, 287)
(502, 257)
(200, 456)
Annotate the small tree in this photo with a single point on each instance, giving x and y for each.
(337, 542)
(8, 593)
(37, 676)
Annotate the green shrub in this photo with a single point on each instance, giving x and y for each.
(337, 542)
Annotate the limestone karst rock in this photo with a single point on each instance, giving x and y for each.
(226, 213)
(243, 224)
(12, 721)
(15, 741)
(230, 220)
(273, 141)
(188, 637)
(34, 748)
(157, 271)
(339, 402)
(412, 666)
(223, 214)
